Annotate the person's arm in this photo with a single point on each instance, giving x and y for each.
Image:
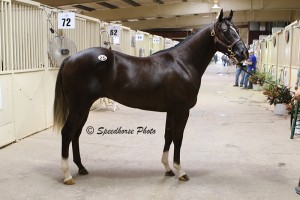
(248, 62)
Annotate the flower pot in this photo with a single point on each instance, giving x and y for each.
(257, 87)
(280, 109)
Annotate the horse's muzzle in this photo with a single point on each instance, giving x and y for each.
(241, 53)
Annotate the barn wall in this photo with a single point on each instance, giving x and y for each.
(278, 55)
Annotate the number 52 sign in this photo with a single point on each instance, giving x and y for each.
(66, 20)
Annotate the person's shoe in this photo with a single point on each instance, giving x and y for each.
(241, 85)
(244, 88)
(235, 85)
(250, 88)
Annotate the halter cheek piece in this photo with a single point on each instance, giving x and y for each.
(231, 54)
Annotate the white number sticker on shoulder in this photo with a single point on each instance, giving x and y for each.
(102, 57)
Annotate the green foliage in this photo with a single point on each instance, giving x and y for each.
(258, 78)
(277, 93)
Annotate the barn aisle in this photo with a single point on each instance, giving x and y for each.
(234, 147)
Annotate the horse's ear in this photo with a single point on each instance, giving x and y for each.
(220, 18)
(230, 15)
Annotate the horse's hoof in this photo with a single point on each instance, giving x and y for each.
(184, 178)
(69, 182)
(83, 171)
(169, 173)
(297, 190)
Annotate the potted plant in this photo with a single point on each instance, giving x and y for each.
(258, 79)
(280, 96)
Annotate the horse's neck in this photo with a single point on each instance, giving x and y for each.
(198, 50)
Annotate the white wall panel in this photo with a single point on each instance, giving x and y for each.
(6, 112)
(50, 80)
(29, 103)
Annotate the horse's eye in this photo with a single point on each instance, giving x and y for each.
(223, 28)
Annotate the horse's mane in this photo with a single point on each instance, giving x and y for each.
(182, 42)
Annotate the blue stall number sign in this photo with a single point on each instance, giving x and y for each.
(66, 20)
(139, 37)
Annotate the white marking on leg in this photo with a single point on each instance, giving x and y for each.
(165, 160)
(179, 170)
(65, 169)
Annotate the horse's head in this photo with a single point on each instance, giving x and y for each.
(227, 39)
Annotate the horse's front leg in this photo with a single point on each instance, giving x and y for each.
(179, 122)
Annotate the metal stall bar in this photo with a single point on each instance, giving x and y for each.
(1, 38)
(15, 27)
(3, 35)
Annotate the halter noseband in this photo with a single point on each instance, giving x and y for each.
(228, 47)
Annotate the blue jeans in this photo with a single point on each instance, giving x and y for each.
(247, 78)
(239, 72)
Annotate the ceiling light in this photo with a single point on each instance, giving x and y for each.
(215, 6)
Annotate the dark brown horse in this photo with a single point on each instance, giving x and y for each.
(167, 81)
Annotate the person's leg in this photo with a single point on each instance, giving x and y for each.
(237, 75)
(242, 78)
(246, 80)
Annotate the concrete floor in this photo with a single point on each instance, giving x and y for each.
(234, 148)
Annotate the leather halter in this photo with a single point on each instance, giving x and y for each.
(231, 54)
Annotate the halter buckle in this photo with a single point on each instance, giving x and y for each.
(213, 33)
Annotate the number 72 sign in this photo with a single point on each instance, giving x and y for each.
(66, 20)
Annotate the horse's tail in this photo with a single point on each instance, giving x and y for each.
(60, 108)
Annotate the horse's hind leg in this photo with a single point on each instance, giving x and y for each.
(72, 125)
(75, 148)
(179, 122)
(168, 141)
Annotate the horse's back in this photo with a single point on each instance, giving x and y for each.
(155, 82)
